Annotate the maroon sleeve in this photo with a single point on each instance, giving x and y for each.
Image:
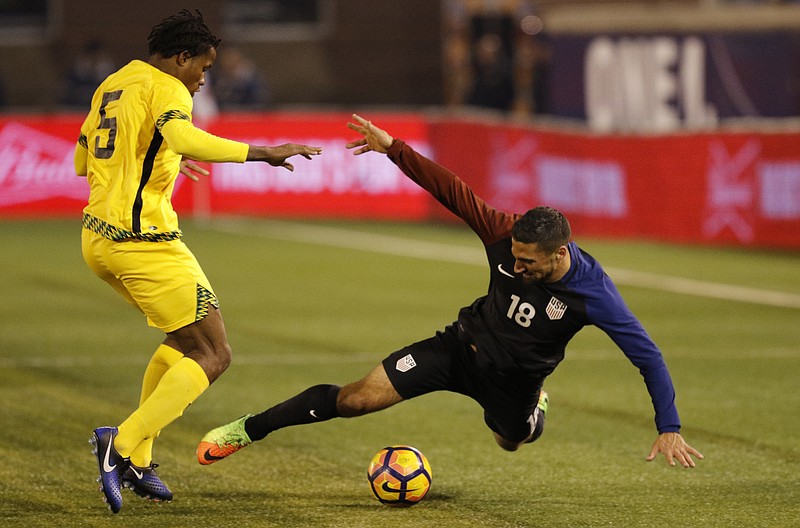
(490, 224)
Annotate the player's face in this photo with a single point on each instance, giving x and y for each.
(193, 72)
(536, 265)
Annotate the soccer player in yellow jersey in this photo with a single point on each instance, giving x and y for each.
(131, 147)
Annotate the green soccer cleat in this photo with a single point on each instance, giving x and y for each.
(223, 441)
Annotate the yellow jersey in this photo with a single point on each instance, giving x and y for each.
(125, 151)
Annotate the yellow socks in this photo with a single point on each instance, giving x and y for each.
(163, 358)
(178, 387)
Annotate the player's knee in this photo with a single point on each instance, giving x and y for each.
(214, 359)
(223, 356)
(506, 445)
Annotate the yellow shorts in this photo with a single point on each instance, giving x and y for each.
(162, 279)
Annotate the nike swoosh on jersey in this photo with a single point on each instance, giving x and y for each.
(504, 272)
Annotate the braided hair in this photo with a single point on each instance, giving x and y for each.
(185, 31)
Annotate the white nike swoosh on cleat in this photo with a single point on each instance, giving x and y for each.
(108, 468)
(313, 412)
(139, 475)
(504, 272)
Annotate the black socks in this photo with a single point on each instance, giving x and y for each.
(315, 404)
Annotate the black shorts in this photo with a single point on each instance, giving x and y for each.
(447, 362)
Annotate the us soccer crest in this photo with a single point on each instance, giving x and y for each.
(405, 363)
(555, 309)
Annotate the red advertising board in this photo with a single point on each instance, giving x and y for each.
(713, 188)
(36, 166)
(37, 175)
(336, 184)
(710, 188)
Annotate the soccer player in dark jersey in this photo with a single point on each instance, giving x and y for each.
(130, 149)
(542, 290)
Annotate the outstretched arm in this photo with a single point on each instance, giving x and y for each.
(277, 156)
(673, 446)
(194, 143)
(488, 223)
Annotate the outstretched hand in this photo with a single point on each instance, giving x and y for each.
(277, 156)
(674, 447)
(375, 139)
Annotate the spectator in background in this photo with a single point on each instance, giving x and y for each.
(531, 68)
(89, 70)
(493, 85)
(495, 55)
(458, 70)
(237, 84)
(457, 54)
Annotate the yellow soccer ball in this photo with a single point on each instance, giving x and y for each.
(399, 475)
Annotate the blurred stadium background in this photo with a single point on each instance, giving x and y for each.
(673, 121)
(668, 132)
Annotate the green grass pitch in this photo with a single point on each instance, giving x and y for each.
(323, 303)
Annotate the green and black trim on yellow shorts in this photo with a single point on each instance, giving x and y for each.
(117, 234)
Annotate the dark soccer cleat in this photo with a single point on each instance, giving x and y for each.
(111, 465)
(539, 412)
(544, 400)
(144, 482)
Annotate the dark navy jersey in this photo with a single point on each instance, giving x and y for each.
(524, 328)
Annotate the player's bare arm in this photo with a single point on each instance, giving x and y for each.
(674, 447)
(375, 139)
(277, 156)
